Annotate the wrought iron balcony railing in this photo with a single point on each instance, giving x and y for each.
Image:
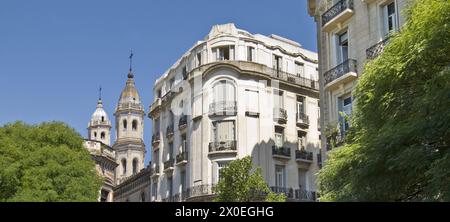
(169, 130)
(302, 118)
(200, 190)
(281, 151)
(340, 70)
(305, 195)
(303, 155)
(289, 77)
(155, 169)
(223, 108)
(289, 192)
(335, 10)
(168, 164)
(181, 157)
(280, 114)
(229, 145)
(156, 138)
(375, 50)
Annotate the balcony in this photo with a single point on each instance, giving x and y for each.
(223, 108)
(342, 73)
(182, 123)
(281, 152)
(168, 165)
(168, 96)
(155, 171)
(156, 138)
(288, 192)
(305, 195)
(223, 147)
(337, 14)
(155, 108)
(375, 50)
(303, 156)
(200, 192)
(182, 158)
(280, 115)
(302, 120)
(291, 78)
(169, 131)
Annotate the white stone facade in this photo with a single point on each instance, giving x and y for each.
(236, 94)
(349, 33)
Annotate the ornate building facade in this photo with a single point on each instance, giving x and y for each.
(349, 32)
(232, 95)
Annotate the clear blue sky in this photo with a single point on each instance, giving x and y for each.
(55, 54)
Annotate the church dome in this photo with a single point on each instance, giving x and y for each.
(99, 114)
(129, 93)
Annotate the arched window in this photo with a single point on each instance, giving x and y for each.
(102, 135)
(134, 125)
(224, 90)
(124, 124)
(124, 166)
(103, 119)
(135, 163)
(95, 135)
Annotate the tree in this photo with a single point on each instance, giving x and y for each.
(45, 162)
(241, 182)
(398, 149)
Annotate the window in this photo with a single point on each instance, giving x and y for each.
(277, 63)
(301, 138)
(184, 73)
(223, 131)
(301, 104)
(143, 197)
(302, 179)
(135, 166)
(156, 158)
(158, 93)
(220, 166)
(278, 99)
(345, 106)
(224, 52)
(250, 54)
(280, 176)
(252, 100)
(154, 190)
(124, 124)
(170, 151)
(124, 166)
(342, 48)
(157, 125)
(300, 69)
(223, 91)
(279, 136)
(171, 117)
(104, 196)
(183, 144)
(199, 59)
(95, 135)
(103, 119)
(102, 135)
(171, 83)
(390, 18)
(169, 186)
(134, 125)
(183, 181)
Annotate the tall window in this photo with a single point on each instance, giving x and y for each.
(302, 179)
(103, 119)
(301, 104)
(124, 166)
(280, 176)
(184, 72)
(124, 122)
(224, 90)
(224, 52)
(170, 150)
(169, 186)
(301, 138)
(279, 136)
(300, 69)
(171, 83)
(220, 166)
(102, 135)
(278, 99)
(143, 197)
(277, 63)
(250, 54)
(345, 106)
(199, 59)
(342, 47)
(223, 131)
(183, 181)
(135, 165)
(183, 144)
(390, 18)
(134, 125)
(154, 190)
(157, 125)
(95, 135)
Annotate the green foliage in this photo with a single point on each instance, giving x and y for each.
(399, 146)
(240, 182)
(45, 162)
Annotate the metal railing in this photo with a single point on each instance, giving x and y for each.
(169, 130)
(280, 114)
(289, 77)
(289, 192)
(183, 121)
(375, 50)
(155, 169)
(305, 195)
(303, 155)
(229, 145)
(183, 156)
(281, 151)
(223, 107)
(200, 190)
(168, 163)
(347, 66)
(335, 10)
(156, 138)
(302, 118)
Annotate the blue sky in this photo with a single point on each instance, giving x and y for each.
(55, 54)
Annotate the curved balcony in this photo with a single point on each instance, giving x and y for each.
(223, 108)
(182, 158)
(337, 14)
(375, 50)
(223, 147)
(156, 138)
(155, 108)
(169, 131)
(302, 120)
(342, 73)
(291, 78)
(182, 123)
(281, 152)
(303, 156)
(168, 165)
(280, 115)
